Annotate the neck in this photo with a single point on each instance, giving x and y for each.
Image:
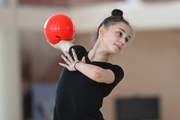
(98, 54)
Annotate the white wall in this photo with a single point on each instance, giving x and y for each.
(10, 80)
(142, 16)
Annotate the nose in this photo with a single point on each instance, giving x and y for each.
(122, 40)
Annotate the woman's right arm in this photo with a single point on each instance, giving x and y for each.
(63, 45)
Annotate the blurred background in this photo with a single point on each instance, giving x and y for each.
(29, 67)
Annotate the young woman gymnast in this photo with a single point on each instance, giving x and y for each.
(88, 76)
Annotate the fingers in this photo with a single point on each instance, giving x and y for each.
(83, 60)
(68, 64)
(68, 56)
(63, 65)
(53, 45)
(73, 39)
(50, 43)
(70, 61)
(74, 55)
(65, 59)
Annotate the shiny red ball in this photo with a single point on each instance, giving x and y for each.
(59, 27)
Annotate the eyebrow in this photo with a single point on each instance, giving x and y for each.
(125, 32)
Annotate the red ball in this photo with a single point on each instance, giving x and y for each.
(59, 27)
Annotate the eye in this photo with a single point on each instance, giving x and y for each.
(120, 34)
(126, 40)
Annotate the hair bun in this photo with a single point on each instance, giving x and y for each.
(117, 13)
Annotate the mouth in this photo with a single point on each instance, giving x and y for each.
(118, 46)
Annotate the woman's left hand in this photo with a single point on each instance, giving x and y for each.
(70, 63)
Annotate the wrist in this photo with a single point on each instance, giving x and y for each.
(76, 64)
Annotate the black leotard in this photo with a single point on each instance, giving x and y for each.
(77, 96)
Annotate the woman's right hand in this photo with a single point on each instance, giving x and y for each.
(56, 46)
(62, 45)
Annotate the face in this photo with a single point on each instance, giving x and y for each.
(116, 37)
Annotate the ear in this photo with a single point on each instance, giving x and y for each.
(101, 31)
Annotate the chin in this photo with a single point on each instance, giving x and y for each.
(116, 52)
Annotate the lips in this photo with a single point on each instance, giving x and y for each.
(118, 46)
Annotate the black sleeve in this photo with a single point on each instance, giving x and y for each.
(119, 74)
(80, 51)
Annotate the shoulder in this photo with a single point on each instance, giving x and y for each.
(118, 72)
(77, 48)
(116, 69)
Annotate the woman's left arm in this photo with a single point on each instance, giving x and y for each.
(95, 73)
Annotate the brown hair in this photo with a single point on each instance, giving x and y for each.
(116, 16)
